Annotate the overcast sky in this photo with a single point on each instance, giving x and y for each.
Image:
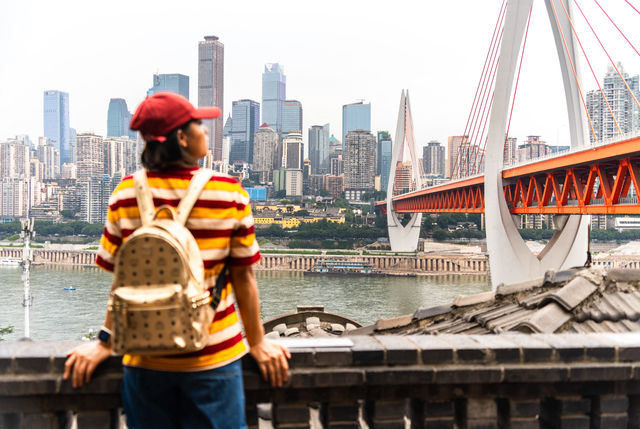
(333, 53)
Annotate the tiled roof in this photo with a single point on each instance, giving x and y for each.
(576, 300)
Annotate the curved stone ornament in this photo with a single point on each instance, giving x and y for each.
(510, 259)
(403, 238)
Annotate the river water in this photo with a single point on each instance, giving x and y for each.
(59, 314)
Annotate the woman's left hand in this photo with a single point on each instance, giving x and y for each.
(83, 360)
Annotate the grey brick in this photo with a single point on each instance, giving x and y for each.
(524, 408)
(535, 374)
(40, 421)
(612, 421)
(499, 347)
(566, 350)
(338, 356)
(533, 350)
(338, 378)
(566, 406)
(439, 409)
(386, 410)
(302, 357)
(612, 404)
(433, 350)
(399, 376)
(342, 412)
(399, 350)
(627, 344)
(8, 351)
(588, 372)
(468, 374)
(524, 423)
(482, 424)
(291, 413)
(465, 348)
(478, 409)
(366, 350)
(439, 423)
(94, 419)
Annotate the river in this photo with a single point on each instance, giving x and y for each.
(59, 314)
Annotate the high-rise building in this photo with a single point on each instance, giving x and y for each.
(211, 88)
(73, 134)
(119, 156)
(621, 102)
(264, 148)
(319, 149)
(291, 116)
(359, 163)
(90, 156)
(173, 82)
(532, 149)
(356, 116)
(274, 91)
(292, 151)
(13, 197)
(244, 124)
(453, 154)
(14, 160)
(118, 119)
(433, 159)
(510, 154)
(49, 157)
(56, 122)
(383, 158)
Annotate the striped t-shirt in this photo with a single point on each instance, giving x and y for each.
(222, 225)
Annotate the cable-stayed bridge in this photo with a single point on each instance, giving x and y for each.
(596, 176)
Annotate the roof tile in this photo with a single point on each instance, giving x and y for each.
(545, 320)
(572, 294)
(466, 300)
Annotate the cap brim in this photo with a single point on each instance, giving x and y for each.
(206, 112)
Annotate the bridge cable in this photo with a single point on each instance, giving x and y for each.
(632, 6)
(617, 28)
(480, 84)
(481, 109)
(573, 69)
(608, 56)
(593, 73)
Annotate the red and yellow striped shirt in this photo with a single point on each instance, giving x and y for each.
(222, 225)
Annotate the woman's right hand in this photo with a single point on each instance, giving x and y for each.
(83, 360)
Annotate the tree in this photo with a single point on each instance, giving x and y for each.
(5, 331)
(281, 194)
(67, 214)
(301, 213)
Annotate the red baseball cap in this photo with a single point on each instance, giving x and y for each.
(164, 111)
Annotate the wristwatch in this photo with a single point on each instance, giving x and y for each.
(105, 336)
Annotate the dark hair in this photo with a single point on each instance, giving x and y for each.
(167, 154)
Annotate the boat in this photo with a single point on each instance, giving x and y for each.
(10, 262)
(335, 266)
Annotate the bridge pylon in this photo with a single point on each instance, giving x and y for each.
(510, 259)
(403, 238)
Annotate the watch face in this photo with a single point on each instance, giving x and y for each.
(104, 336)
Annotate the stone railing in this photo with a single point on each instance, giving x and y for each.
(443, 381)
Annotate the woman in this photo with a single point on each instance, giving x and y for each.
(202, 389)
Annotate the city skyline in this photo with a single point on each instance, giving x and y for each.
(327, 64)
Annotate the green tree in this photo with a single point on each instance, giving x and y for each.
(301, 213)
(5, 331)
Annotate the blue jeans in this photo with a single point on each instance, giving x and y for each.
(166, 399)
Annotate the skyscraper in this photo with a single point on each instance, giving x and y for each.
(244, 124)
(91, 152)
(56, 122)
(359, 163)
(274, 90)
(319, 149)
(383, 158)
(264, 148)
(356, 116)
(453, 150)
(433, 158)
(118, 118)
(293, 151)
(624, 108)
(211, 88)
(291, 116)
(173, 82)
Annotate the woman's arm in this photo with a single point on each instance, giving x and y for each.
(270, 356)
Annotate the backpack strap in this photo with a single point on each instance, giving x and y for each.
(197, 184)
(221, 282)
(143, 196)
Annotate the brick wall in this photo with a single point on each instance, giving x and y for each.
(442, 381)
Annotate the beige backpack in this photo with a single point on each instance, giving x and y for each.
(159, 304)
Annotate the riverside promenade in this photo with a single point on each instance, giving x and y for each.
(420, 264)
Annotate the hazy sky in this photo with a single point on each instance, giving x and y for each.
(333, 53)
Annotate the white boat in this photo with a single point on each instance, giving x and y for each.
(9, 262)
